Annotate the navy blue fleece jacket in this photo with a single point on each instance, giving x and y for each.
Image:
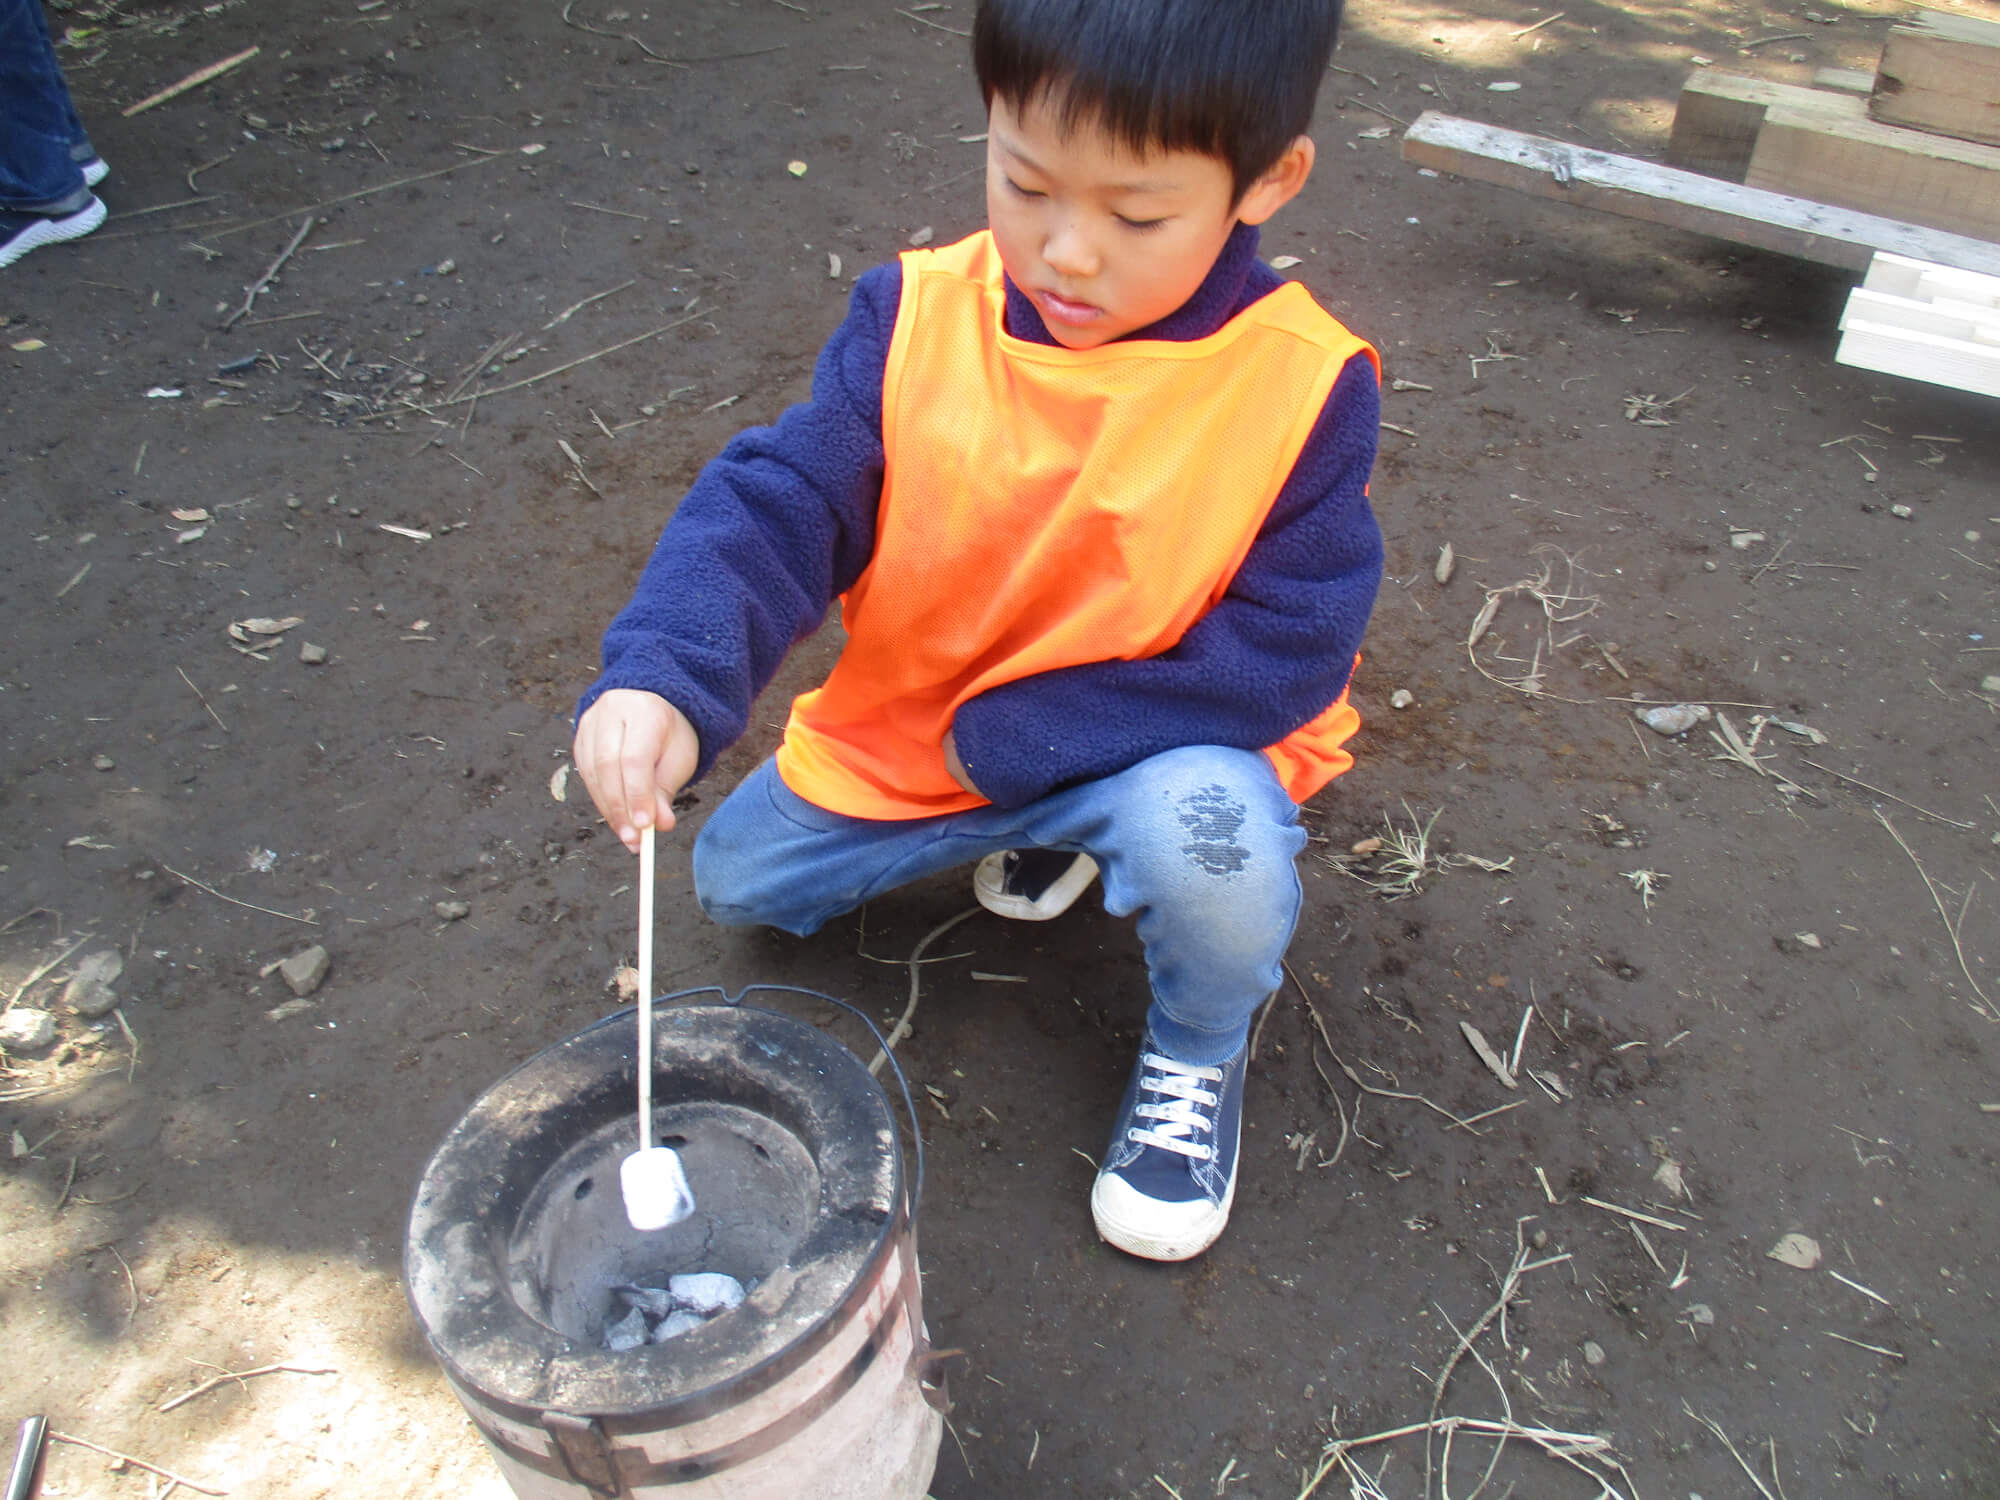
(783, 521)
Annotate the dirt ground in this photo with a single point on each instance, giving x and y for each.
(1774, 987)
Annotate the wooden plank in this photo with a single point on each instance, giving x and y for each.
(1959, 363)
(1954, 320)
(1683, 200)
(1932, 323)
(1900, 276)
(1844, 80)
(1882, 169)
(1941, 73)
(1718, 116)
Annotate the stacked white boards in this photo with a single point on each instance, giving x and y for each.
(1926, 322)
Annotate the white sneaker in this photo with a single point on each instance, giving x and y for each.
(21, 232)
(1032, 885)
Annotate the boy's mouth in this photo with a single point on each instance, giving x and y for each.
(1057, 308)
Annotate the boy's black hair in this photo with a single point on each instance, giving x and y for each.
(1233, 79)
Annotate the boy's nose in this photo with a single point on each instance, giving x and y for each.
(1069, 251)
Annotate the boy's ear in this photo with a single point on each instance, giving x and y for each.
(1280, 184)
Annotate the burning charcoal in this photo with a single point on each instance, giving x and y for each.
(706, 1292)
(647, 1299)
(676, 1323)
(629, 1332)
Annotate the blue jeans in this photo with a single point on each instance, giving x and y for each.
(1197, 843)
(38, 124)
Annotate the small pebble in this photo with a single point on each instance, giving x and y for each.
(1901, 512)
(89, 991)
(1708, 566)
(706, 1292)
(453, 911)
(293, 502)
(305, 971)
(1365, 847)
(311, 655)
(677, 1323)
(1810, 940)
(629, 1332)
(1402, 698)
(1672, 718)
(1702, 1313)
(104, 763)
(447, 266)
(25, 1029)
(1990, 684)
(1743, 541)
(1593, 1352)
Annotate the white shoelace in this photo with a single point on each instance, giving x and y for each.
(1181, 1116)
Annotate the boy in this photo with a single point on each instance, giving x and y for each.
(1092, 488)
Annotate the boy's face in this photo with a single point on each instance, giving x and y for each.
(1104, 240)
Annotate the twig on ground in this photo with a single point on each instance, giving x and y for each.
(1510, 1286)
(1985, 1007)
(1369, 1088)
(131, 1286)
(1632, 1213)
(515, 385)
(246, 905)
(194, 172)
(69, 1181)
(1339, 1107)
(167, 1474)
(471, 371)
(1920, 811)
(204, 700)
(131, 1040)
(1577, 1449)
(621, 36)
(1716, 1428)
(939, 25)
(1559, 607)
(239, 1376)
(1871, 1348)
(1545, 20)
(576, 307)
(915, 961)
(576, 462)
(194, 80)
(367, 192)
(41, 970)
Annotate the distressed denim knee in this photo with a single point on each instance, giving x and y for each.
(1202, 844)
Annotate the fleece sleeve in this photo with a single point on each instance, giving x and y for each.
(1270, 656)
(778, 525)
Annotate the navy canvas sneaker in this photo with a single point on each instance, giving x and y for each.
(1032, 885)
(1169, 1175)
(22, 231)
(93, 166)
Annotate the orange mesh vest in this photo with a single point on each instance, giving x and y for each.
(1044, 507)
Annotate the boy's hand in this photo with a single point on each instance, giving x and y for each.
(956, 767)
(635, 751)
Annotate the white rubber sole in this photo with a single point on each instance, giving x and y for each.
(988, 885)
(53, 231)
(1128, 1220)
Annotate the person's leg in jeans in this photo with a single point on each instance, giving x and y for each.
(44, 197)
(1196, 844)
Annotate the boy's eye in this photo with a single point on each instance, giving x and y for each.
(1022, 191)
(1140, 224)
